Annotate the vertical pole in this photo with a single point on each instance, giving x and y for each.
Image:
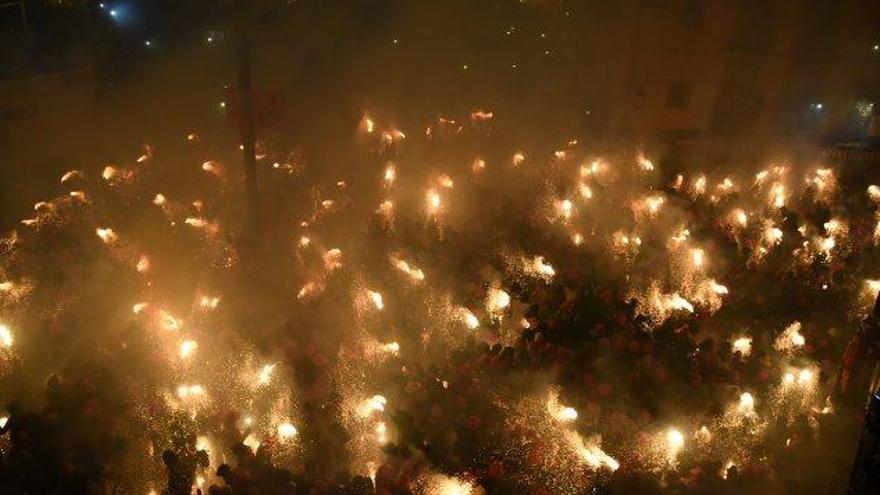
(248, 131)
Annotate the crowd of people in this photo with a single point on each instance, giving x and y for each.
(474, 417)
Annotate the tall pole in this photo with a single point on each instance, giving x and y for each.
(248, 130)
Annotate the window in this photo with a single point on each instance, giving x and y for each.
(692, 13)
(678, 95)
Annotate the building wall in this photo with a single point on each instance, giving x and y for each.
(739, 66)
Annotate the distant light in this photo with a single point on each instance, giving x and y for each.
(222, 104)
(816, 106)
(102, 6)
(210, 39)
(876, 48)
(113, 13)
(464, 66)
(513, 66)
(148, 43)
(394, 40)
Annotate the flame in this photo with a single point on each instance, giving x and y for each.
(5, 336)
(375, 403)
(392, 347)
(414, 273)
(675, 440)
(169, 322)
(585, 191)
(480, 116)
(497, 300)
(743, 345)
(565, 208)
(646, 164)
(187, 348)
(445, 181)
(698, 258)
(209, 302)
(143, 263)
(265, 374)
(377, 299)
(109, 172)
(286, 431)
(106, 234)
(366, 125)
(190, 391)
(790, 338)
(468, 318)
(537, 267)
(433, 201)
(211, 167)
(70, 175)
(390, 175)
